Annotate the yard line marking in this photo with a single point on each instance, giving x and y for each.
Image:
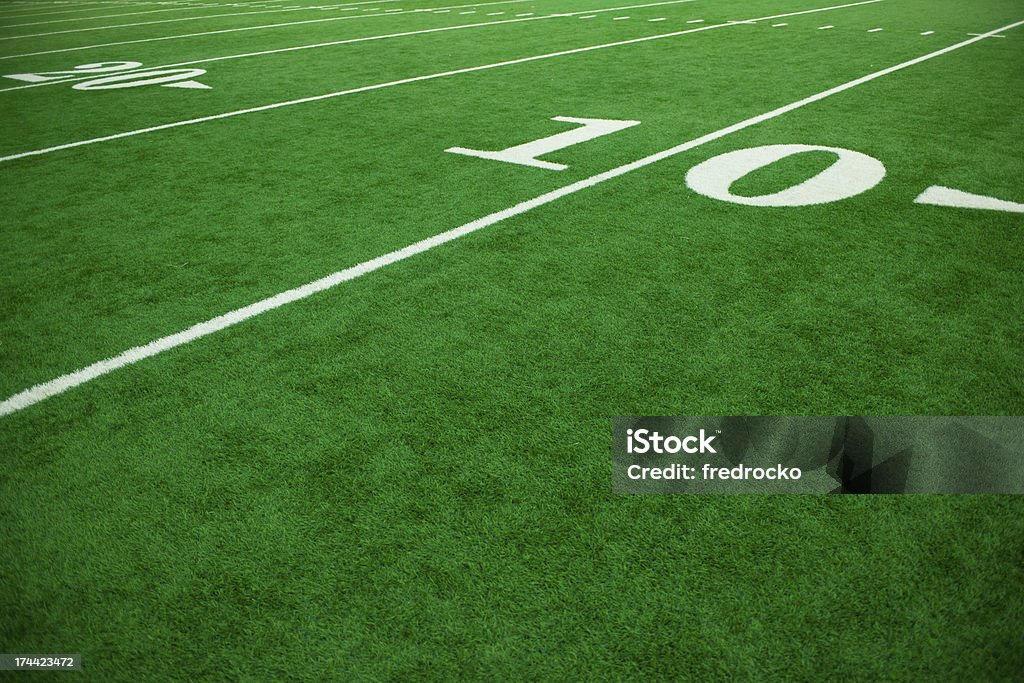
(824, 28)
(695, 21)
(404, 81)
(169, 21)
(658, 19)
(589, 16)
(619, 18)
(41, 392)
(874, 30)
(52, 12)
(927, 33)
(257, 28)
(991, 36)
(778, 25)
(343, 42)
(106, 16)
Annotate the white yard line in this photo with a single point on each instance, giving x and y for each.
(179, 19)
(404, 81)
(346, 42)
(104, 16)
(63, 383)
(254, 28)
(11, 13)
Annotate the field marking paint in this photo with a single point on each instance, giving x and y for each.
(105, 16)
(169, 21)
(658, 19)
(526, 154)
(927, 33)
(947, 196)
(70, 77)
(404, 81)
(875, 30)
(978, 34)
(778, 25)
(825, 28)
(53, 12)
(851, 174)
(249, 28)
(63, 383)
(695, 21)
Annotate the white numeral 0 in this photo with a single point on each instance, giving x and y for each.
(851, 174)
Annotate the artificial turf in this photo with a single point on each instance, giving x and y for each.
(407, 477)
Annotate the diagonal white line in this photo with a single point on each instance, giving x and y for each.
(104, 16)
(63, 383)
(404, 81)
(347, 41)
(171, 21)
(347, 17)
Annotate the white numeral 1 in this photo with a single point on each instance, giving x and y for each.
(527, 153)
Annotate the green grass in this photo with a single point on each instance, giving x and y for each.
(407, 477)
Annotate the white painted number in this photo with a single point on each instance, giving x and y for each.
(168, 78)
(171, 78)
(97, 68)
(526, 154)
(851, 174)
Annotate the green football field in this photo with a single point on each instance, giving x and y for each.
(290, 390)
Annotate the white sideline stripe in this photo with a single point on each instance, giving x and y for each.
(20, 15)
(403, 81)
(105, 16)
(256, 28)
(344, 42)
(63, 383)
(170, 21)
